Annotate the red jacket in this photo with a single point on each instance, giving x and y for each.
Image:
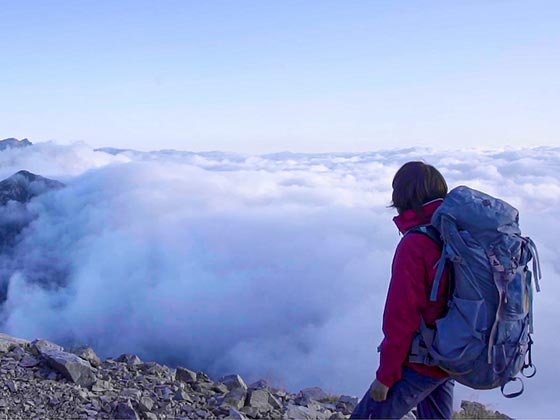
(408, 298)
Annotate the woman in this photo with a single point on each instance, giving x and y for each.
(400, 385)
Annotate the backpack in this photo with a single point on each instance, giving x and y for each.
(484, 339)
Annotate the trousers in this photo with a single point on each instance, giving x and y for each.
(433, 399)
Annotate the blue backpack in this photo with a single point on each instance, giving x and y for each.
(484, 339)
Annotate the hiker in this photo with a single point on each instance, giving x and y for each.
(400, 385)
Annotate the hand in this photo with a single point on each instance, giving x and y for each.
(378, 391)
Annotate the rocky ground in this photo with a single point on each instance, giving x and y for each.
(42, 380)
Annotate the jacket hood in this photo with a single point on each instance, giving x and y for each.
(410, 219)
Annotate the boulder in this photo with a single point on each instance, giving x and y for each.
(233, 381)
(234, 414)
(8, 342)
(125, 411)
(313, 394)
(235, 398)
(260, 399)
(129, 359)
(29, 361)
(185, 375)
(70, 366)
(87, 353)
(297, 412)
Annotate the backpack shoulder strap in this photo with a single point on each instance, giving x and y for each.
(429, 231)
(433, 234)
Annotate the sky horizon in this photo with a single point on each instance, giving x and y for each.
(261, 77)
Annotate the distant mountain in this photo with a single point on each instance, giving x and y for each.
(16, 191)
(23, 186)
(13, 143)
(112, 150)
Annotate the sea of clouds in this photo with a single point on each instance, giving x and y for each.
(271, 266)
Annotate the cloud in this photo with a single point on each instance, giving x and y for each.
(271, 266)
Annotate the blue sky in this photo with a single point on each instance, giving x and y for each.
(262, 76)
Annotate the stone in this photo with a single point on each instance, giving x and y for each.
(131, 393)
(150, 416)
(129, 359)
(125, 411)
(101, 386)
(52, 375)
(39, 344)
(234, 414)
(235, 398)
(182, 396)
(185, 375)
(220, 388)
(146, 404)
(345, 399)
(29, 361)
(7, 342)
(12, 386)
(165, 392)
(233, 381)
(252, 412)
(259, 399)
(297, 412)
(314, 394)
(88, 354)
(337, 415)
(17, 353)
(260, 384)
(274, 402)
(72, 367)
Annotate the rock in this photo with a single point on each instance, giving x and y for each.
(476, 410)
(40, 344)
(274, 402)
(160, 371)
(88, 354)
(337, 416)
(185, 375)
(101, 386)
(346, 404)
(235, 398)
(165, 392)
(12, 386)
(182, 396)
(203, 377)
(29, 361)
(70, 366)
(296, 412)
(131, 393)
(129, 359)
(252, 412)
(8, 342)
(150, 416)
(259, 399)
(220, 388)
(125, 411)
(260, 384)
(233, 381)
(17, 353)
(313, 394)
(146, 404)
(234, 414)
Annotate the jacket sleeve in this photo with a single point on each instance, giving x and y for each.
(406, 300)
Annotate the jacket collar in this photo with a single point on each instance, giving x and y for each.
(410, 219)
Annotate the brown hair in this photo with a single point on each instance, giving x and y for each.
(415, 184)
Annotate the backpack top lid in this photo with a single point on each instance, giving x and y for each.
(476, 211)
